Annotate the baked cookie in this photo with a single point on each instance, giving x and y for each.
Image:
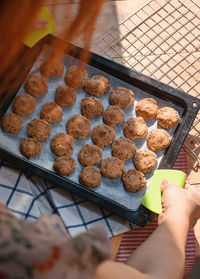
(24, 104)
(76, 76)
(97, 85)
(112, 167)
(39, 129)
(30, 147)
(145, 160)
(133, 181)
(158, 140)
(78, 126)
(147, 108)
(65, 96)
(167, 117)
(11, 123)
(123, 148)
(113, 116)
(64, 165)
(103, 135)
(36, 85)
(135, 128)
(121, 97)
(52, 68)
(90, 176)
(62, 144)
(91, 107)
(90, 155)
(51, 112)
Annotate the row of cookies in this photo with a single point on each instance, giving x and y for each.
(108, 133)
(112, 167)
(25, 104)
(90, 154)
(35, 86)
(100, 141)
(157, 140)
(147, 108)
(77, 77)
(27, 145)
(63, 144)
(103, 135)
(90, 107)
(90, 85)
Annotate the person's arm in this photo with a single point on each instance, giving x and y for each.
(162, 255)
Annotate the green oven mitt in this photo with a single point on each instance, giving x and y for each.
(152, 198)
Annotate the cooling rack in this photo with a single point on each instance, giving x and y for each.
(162, 41)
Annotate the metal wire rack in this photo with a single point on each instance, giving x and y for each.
(161, 40)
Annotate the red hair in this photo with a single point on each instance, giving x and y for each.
(18, 18)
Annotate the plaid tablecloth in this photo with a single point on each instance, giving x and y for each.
(30, 197)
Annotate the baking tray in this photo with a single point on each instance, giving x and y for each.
(120, 202)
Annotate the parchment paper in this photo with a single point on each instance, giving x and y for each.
(109, 188)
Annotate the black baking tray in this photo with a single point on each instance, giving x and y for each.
(189, 104)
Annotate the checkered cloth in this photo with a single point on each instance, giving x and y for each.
(30, 197)
(24, 197)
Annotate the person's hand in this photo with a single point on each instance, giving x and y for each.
(179, 202)
(41, 23)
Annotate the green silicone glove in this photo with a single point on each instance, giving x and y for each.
(152, 198)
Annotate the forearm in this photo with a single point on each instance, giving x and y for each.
(163, 253)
